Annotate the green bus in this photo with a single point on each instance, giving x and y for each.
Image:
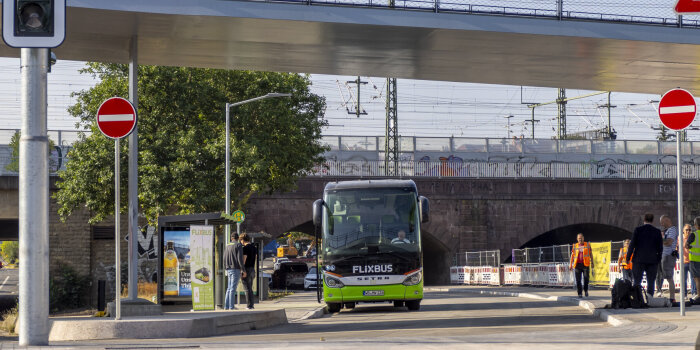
(371, 243)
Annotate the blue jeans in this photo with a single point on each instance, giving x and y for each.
(234, 275)
(693, 287)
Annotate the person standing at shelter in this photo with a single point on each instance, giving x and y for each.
(687, 231)
(233, 263)
(249, 256)
(581, 262)
(669, 254)
(646, 247)
(622, 262)
(693, 246)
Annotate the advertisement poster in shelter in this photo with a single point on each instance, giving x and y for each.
(176, 262)
(201, 266)
(600, 273)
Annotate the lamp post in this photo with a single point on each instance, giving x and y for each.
(228, 157)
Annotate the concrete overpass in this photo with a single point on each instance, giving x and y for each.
(489, 214)
(632, 52)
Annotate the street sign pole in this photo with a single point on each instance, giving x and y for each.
(116, 118)
(679, 180)
(677, 110)
(33, 201)
(118, 272)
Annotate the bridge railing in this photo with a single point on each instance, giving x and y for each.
(639, 11)
(549, 170)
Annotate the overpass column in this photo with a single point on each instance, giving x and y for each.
(134, 231)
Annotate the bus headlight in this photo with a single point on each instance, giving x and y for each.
(333, 282)
(413, 279)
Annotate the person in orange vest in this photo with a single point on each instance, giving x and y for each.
(582, 263)
(625, 266)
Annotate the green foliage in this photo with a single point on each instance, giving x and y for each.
(13, 165)
(68, 290)
(181, 131)
(665, 135)
(10, 251)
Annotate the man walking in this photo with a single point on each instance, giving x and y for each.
(669, 254)
(581, 263)
(233, 262)
(249, 256)
(646, 246)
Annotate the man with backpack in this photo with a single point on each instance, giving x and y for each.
(646, 247)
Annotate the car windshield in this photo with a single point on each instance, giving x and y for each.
(312, 271)
(367, 221)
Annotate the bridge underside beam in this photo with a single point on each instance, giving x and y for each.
(376, 42)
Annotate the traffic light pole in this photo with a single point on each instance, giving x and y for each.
(34, 201)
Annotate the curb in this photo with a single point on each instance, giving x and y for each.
(603, 314)
(315, 313)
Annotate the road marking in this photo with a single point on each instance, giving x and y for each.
(3, 282)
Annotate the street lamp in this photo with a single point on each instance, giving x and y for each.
(228, 162)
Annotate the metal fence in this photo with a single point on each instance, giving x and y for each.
(657, 12)
(481, 258)
(553, 254)
(545, 170)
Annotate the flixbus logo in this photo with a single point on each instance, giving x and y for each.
(386, 268)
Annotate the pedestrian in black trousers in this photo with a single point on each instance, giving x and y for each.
(249, 256)
(646, 245)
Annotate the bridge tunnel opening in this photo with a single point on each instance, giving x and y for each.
(9, 229)
(436, 255)
(592, 232)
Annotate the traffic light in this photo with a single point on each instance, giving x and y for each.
(34, 23)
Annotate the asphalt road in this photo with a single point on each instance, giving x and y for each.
(8, 281)
(446, 320)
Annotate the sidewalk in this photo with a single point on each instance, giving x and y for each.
(189, 324)
(668, 317)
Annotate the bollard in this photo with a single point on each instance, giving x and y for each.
(101, 295)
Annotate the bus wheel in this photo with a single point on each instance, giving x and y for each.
(334, 307)
(349, 305)
(413, 305)
(398, 303)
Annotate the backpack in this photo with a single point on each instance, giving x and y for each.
(638, 298)
(621, 294)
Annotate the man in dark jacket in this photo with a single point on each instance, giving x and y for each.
(233, 263)
(646, 246)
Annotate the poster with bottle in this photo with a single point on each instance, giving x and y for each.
(176, 262)
(202, 267)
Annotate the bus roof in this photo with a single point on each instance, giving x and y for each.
(343, 185)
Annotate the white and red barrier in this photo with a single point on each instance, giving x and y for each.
(476, 275)
(615, 273)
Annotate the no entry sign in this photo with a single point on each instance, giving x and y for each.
(116, 117)
(687, 6)
(677, 109)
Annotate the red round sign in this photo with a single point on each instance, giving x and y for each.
(116, 117)
(677, 109)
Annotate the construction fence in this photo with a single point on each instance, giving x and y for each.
(541, 266)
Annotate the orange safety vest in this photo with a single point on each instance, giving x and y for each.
(586, 255)
(622, 260)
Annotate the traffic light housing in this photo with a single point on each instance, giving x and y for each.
(34, 23)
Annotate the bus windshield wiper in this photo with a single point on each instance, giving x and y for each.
(397, 254)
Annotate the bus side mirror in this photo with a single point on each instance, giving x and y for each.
(318, 212)
(424, 209)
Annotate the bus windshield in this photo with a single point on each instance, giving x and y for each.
(359, 222)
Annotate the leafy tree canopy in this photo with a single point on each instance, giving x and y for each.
(181, 130)
(10, 251)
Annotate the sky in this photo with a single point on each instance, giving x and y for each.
(425, 108)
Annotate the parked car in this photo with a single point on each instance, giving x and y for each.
(290, 274)
(310, 279)
(278, 263)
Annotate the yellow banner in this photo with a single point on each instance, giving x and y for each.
(600, 273)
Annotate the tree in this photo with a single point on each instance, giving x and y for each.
(181, 130)
(13, 165)
(10, 251)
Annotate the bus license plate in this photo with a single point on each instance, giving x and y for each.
(373, 293)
